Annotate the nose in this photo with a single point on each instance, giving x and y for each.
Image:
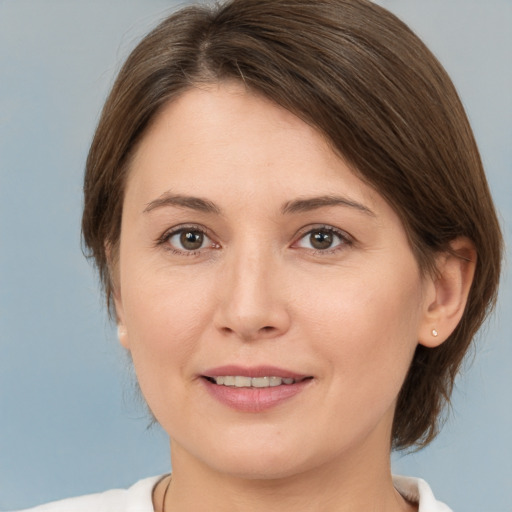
(252, 300)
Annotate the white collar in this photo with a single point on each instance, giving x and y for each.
(418, 491)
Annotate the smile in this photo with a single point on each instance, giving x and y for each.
(240, 381)
(256, 389)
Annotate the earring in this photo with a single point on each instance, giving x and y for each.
(121, 331)
(434, 333)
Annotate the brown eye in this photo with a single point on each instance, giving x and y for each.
(321, 239)
(324, 239)
(191, 240)
(188, 240)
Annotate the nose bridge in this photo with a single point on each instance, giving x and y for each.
(251, 283)
(252, 304)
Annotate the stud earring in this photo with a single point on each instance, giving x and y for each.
(121, 331)
(434, 333)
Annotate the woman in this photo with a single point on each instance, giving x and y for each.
(273, 199)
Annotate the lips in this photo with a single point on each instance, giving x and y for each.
(253, 389)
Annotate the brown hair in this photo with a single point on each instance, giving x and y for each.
(361, 77)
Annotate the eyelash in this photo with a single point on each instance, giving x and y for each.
(345, 239)
(164, 239)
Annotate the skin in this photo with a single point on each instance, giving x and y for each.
(257, 292)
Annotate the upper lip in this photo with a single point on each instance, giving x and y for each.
(253, 371)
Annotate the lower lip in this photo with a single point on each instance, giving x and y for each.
(254, 399)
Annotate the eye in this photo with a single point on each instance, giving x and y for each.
(188, 240)
(323, 239)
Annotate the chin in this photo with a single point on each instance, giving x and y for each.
(260, 458)
(266, 467)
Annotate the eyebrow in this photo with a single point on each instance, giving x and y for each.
(313, 203)
(296, 206)
(181, 201)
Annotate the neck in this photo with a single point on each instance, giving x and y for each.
(360, 482)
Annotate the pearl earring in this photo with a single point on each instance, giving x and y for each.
(121, 331)
(434, 333)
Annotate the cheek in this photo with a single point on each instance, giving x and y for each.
(157, 297)
(164, 325)
(366, 326)
(165, 314)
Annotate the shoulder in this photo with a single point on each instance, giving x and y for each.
(418, 491)
(138, 498)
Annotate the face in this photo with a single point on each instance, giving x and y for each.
(269, 298)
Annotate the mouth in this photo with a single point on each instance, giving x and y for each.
(242, 381)
(254, 389)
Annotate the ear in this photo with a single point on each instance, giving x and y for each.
(112, 255)
(447, 292)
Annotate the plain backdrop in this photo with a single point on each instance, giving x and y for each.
(70, 421)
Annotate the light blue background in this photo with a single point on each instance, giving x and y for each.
(70, 422)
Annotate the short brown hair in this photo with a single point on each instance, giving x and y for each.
(362, 78)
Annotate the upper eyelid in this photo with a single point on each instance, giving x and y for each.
(183, 227)
(325, 227)
(168, 233)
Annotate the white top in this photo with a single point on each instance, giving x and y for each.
(418, 491)
(138, 498)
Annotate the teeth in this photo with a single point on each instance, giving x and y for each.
(242, 382)
(259, 382)
(275, 381)
(239, 381)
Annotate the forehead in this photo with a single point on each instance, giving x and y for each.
(222, 137)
